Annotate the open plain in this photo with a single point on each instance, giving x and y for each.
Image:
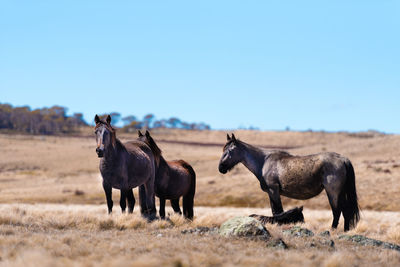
(53, 211)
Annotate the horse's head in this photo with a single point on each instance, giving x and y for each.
(231, 155)
(105, 135)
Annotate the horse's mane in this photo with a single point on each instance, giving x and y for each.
(241, 143)
(257, 149)
(153, 146)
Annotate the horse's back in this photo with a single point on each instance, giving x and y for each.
(179, 179)
(302, 177)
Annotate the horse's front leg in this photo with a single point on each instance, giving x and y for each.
(150, 200)
(147, 200)
(107, 190)
(275, 199)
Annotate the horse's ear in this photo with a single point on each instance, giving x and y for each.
(139, 133)
(147, 133)
(233, 137)
(108, 120)
(228, 138)
(301, 208)
(96, 119)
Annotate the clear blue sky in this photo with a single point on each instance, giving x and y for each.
(332, 65)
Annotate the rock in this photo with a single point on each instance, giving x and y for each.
(298, 231)
(243, 227)
(277, 243)
(365, 241)
(201, 230)
(325, 233)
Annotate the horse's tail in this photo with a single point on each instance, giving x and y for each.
(348, 199)
(188, 198)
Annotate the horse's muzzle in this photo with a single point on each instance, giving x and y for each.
(222, 169)
(100, 152)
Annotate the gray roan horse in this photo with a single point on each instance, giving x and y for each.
(125, 166)
(299, 177)
(173, 179)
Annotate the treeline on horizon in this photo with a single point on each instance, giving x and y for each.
(54, 120)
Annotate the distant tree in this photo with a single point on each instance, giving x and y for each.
(147, 120)
(115, 117)
(5, 116)
(39, 121)
(128, 119)
(54, 120)
(160, 124)
(174, 122)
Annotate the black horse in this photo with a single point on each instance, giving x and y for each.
(125, 166)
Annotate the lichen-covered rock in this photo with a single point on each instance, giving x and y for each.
(298, 231)
(277, 243)
(243, 227)
(366, 241)
(200, 230)
(325, 234)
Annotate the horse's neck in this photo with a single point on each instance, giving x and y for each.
(112, 154)
(253, 159)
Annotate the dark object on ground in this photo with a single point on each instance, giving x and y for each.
(291, 216)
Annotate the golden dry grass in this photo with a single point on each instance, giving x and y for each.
(77, 231)
(84, 235)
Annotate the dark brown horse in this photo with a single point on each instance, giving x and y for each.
(125, 166)
(173, 179)
(299, 177)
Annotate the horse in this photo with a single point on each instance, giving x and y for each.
(298, 177)
(173, 179)
(125, 166)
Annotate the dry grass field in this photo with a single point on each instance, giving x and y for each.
(53, 212)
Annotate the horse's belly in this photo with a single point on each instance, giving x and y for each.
(306, 194)
(301, 189)
(173, 190)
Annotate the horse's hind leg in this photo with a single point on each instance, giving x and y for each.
(175, 205)
(122, 200)
(333, 197)
(162, 208)
(131, 200)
